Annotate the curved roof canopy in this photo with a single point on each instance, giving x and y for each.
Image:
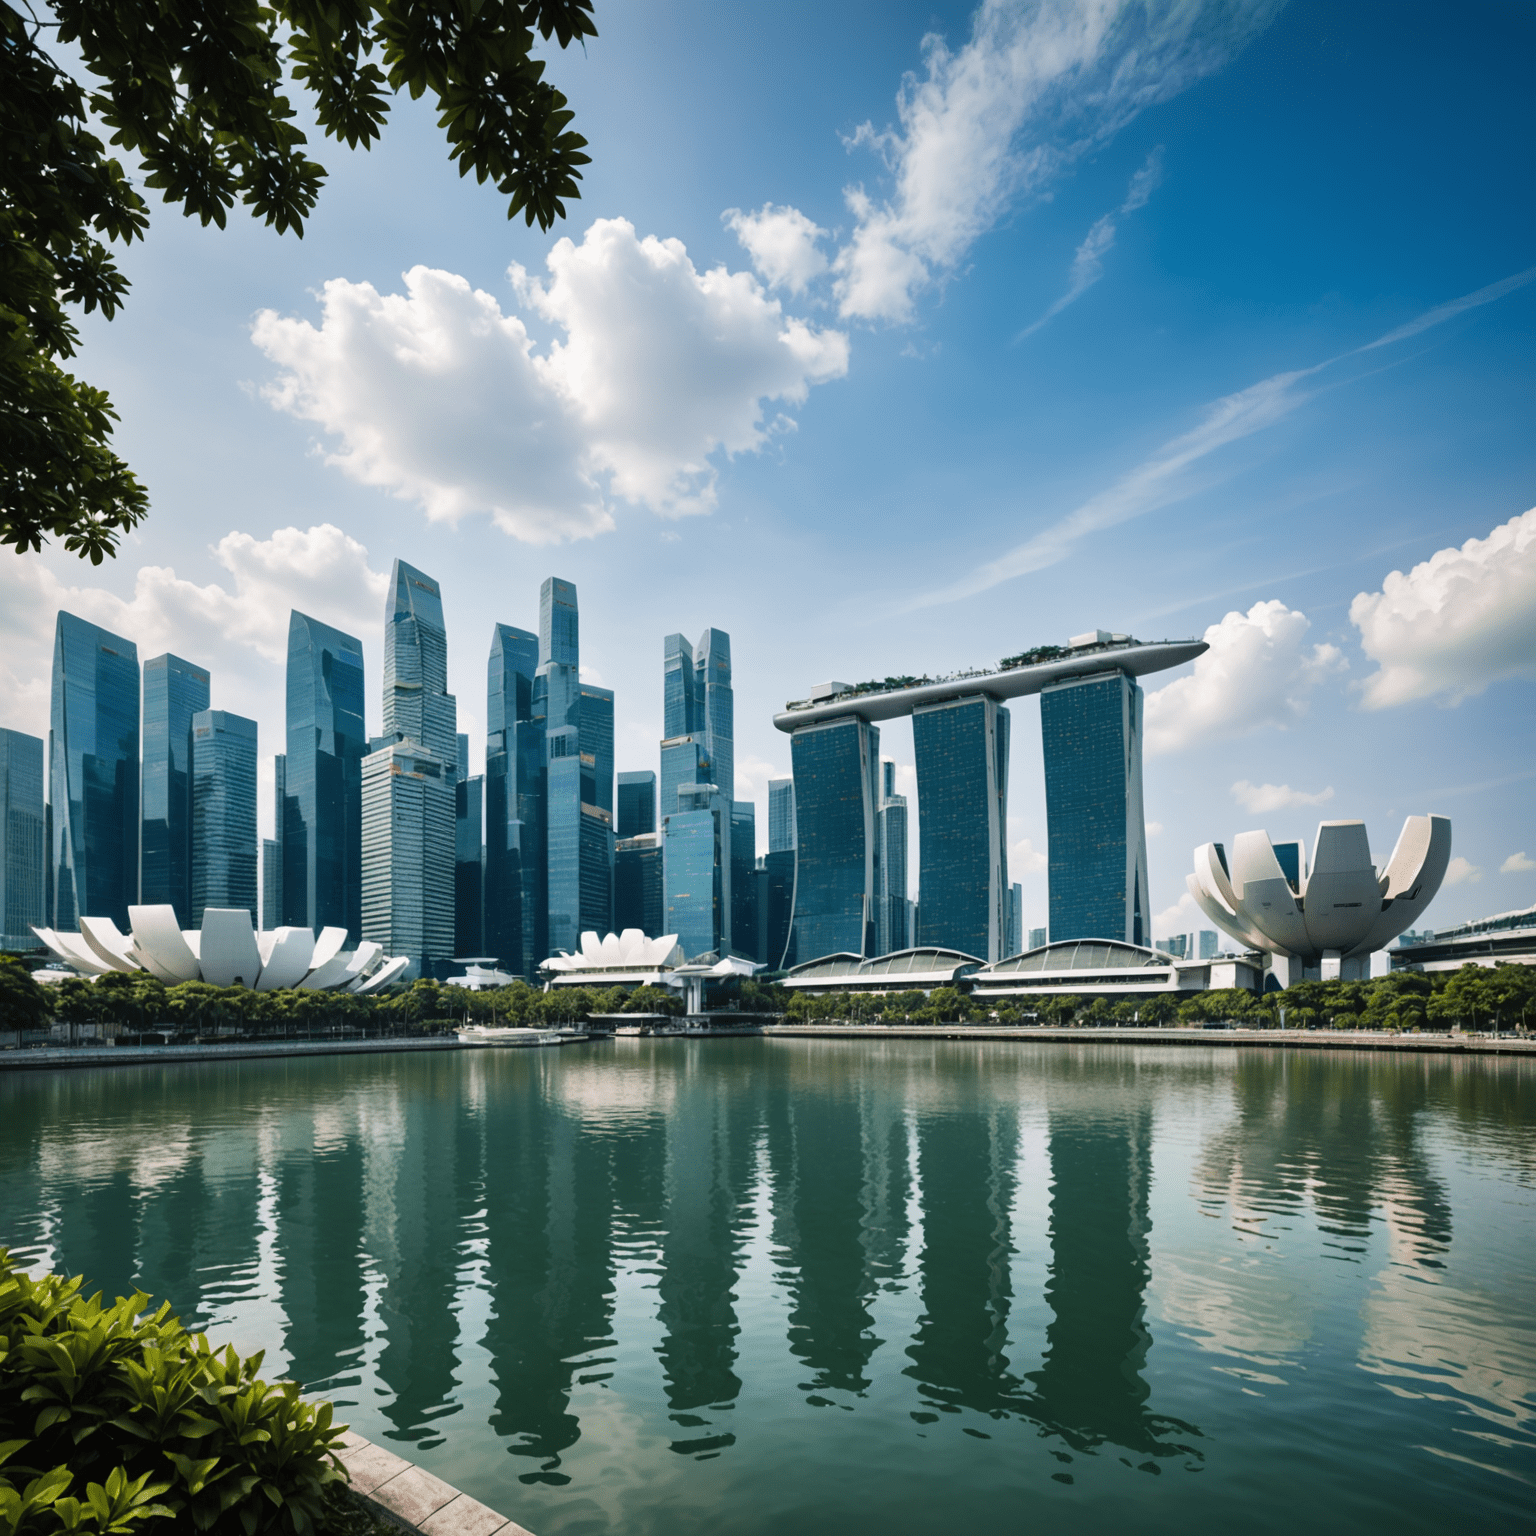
(915, 968)
(1079, 955)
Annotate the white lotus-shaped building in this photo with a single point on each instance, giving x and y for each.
(628, 955)
(1327, 922)
(227, 951)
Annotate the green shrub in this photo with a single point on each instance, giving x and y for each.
(116, 1420)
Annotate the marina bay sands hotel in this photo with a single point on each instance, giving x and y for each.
(1091, 724)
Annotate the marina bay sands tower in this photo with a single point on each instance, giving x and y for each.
(1091, 721)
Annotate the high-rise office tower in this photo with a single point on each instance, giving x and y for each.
(1091, 732)
(683, 762)
(407, 824)
(93, 774)
(420, 714)
(174, 691)
(962, 807)
(837, 783)
(468, 863)
(23, 840)
(781, 815)
(1037, 938)
(1013, 944)
(779, 909)
(743, 881)
(1208, 944)
(515, 897)
(638, 884)
(322, 826)
(578, 777)
(636, 804)
(696, 870)
(223, 813)
(271, 883)
(715, 702)
(891, 894)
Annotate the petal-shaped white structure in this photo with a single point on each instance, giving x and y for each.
(366, 959)
(266, 942)
(327, 947)
(228, 954)
(332, 974)
(108, 943)
(73, 951)
(1344, 911)
(193, 939)
(382, 977)
(158, 942)
(287, 962)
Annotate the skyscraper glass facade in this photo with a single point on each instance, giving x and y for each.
(1013, 944)
(637, 804)
(174, 691)
(683, 762)
(891, 892)
(836, 768)
(271, 883)
(468, 868)
(638, 885)
(407, 821)
(715, 701)
(596, 705)
(743, 883)
(322, 833)
(1091, 733)
(417, 704)
(696, 872)
(780, 870)
(962, 805)
(23, 840)
(563, 839)
(93, 774)
(515, 893)
(781, 815)
(223, 813)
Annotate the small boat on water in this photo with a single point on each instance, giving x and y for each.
(502, 1034)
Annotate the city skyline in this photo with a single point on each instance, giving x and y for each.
(1216, 377)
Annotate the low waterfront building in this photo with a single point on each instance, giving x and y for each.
(908, 970)
(627, 959)
(1108, 968)
(1508, 938)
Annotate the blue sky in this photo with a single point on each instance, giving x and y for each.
(896, 339)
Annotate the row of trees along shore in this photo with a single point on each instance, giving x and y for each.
(1474, 997)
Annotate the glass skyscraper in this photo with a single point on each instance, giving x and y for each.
(419, 785)
(271, 883)
(779, 867)
(223, 813)
(578, 786)
(407, 824)
(93, 774)
(698, 703)
(962, 805)
(174, 691)
(743, 879)
(638, 884)
(322, 827)
(23, 841)
(468, 865)
(781, 815)
(1091, 732)
(683, 762)
(1013, 944)
(637, 804)
(837, 782)
(891, 895)
(515, 922)
(697, 871)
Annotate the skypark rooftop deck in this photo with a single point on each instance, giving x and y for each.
(1114, 653)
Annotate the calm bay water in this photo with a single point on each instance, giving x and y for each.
(751, 1286)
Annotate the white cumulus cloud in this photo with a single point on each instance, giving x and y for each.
(1025, 859)
(783, 243)
(439, 397)
(1258, 672)
(1452, 625)
(1257, 799)
(1517, 864)
(1462, 871)
(1040, 84)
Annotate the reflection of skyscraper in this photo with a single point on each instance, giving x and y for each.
(962, 808)
(1091, 730)
(837, 767)
(322, 832)
(174, 691)
(223, 813)
(23, 840)
(93, 774)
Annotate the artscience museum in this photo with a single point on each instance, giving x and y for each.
(227, 951)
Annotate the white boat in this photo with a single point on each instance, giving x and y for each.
(502, 1034)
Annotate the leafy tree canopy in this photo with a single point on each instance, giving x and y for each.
(197, 95)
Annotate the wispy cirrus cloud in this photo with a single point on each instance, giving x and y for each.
(1168, 475)
(1088, 262)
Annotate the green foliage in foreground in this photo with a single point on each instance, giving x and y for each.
(115, 1421)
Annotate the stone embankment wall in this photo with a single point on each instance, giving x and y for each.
(413, 1499)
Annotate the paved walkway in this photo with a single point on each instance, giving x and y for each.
(414, 1499)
